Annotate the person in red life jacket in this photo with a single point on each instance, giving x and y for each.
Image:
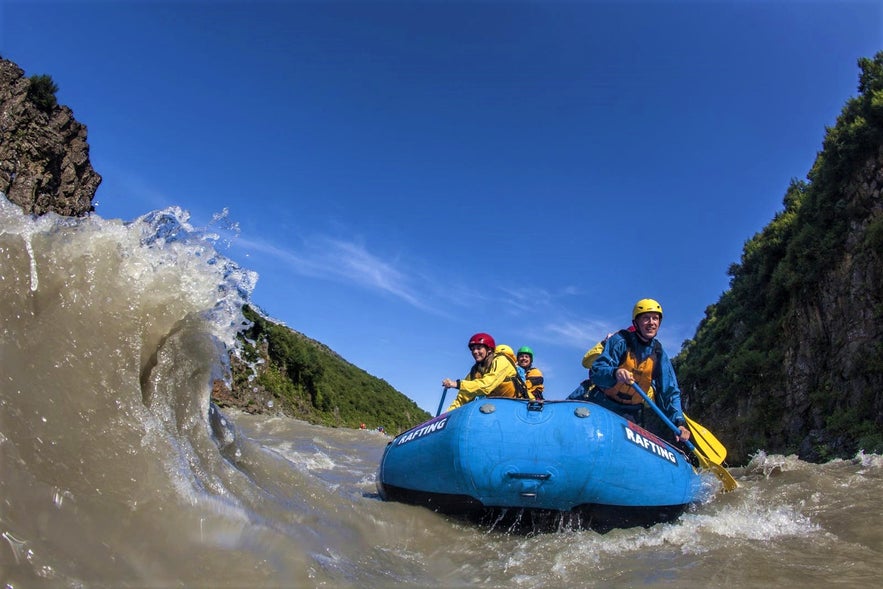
(492, 375)
(637, 356)
(533, 376)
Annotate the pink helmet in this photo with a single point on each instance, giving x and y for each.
(482, 339)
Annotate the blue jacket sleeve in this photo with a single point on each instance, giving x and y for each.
(668, 392)
(605, 365)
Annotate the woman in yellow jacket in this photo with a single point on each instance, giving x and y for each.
(492, 375)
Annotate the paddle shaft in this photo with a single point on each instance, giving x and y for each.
(441, 402)
(725, 477)
(663, 417)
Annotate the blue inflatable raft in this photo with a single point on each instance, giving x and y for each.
(499, 455)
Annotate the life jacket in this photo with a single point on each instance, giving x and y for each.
(644, 372)
(533, 378)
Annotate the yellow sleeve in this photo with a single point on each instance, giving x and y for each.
(487, 384)
(461, 399)
(484, 385)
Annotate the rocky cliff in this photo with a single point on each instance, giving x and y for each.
(44, 157)
(835, 337)
(790, 359)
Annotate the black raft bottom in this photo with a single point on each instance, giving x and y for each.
(523, 520)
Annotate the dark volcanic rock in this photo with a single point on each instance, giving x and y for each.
(44, 157)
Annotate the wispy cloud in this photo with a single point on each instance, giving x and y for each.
(585, 332)
(525, 299)
(352, 263)
(579, 333)
(561, 325)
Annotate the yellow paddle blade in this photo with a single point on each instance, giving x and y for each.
(720, 472)
(725, 477)
(706, 442)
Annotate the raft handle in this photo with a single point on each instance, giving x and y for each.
(529, 475)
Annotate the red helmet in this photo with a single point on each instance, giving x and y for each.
(482, 339)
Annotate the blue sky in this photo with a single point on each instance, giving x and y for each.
(404, 174)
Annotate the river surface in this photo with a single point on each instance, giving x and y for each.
(116, 471)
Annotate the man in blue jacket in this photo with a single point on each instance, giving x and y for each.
(637, 356)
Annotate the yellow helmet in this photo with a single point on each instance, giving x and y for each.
(646, 306)
(506, 351)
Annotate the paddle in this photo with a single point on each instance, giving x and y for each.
(441, 402)
(706, 442)
(725, 477)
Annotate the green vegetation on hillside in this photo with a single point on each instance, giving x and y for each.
(791, 352)
(311, 382)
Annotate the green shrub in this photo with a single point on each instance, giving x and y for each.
(42, 92)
